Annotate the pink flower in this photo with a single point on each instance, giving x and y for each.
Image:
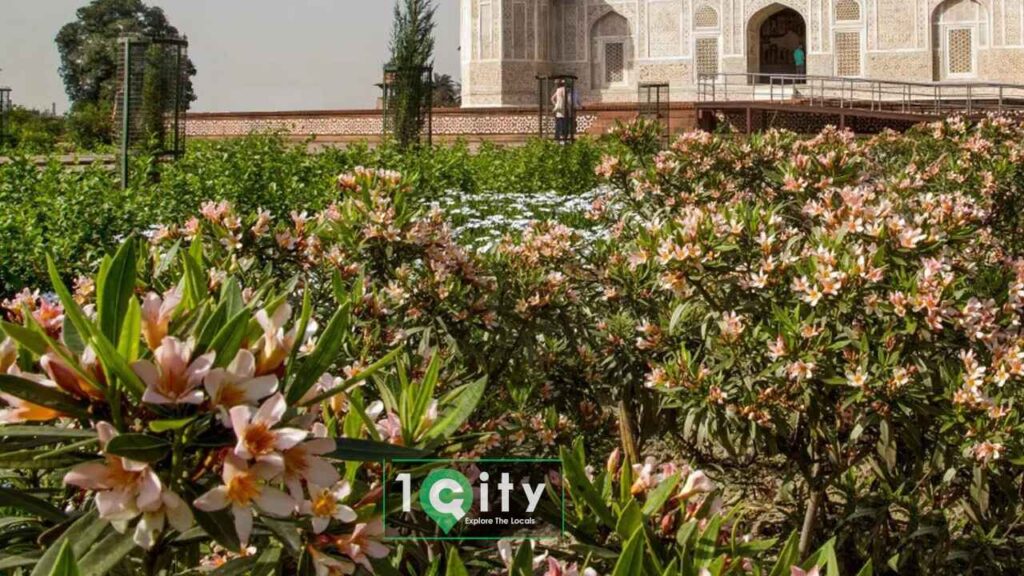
(257, 439)
(124, 487)
(173, 380)
(364, 543)
(171, 509)
(696, 483)
(275, 344)
(238, 385)
(156, 315)
(327, 565)
(68, 379)
(325, 504)
(303, 462)
(8, 354)
(797, 571)
(244, 486)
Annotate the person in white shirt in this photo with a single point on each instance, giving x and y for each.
(560, 104)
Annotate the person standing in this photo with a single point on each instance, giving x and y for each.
(800, 59)
(560, 105)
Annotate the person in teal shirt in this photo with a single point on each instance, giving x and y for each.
(800, 59)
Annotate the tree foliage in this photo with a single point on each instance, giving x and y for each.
(447, 92)
(412, 50)
(90, 52)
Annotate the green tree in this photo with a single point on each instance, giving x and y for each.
(90, 54)
(447, 92)
(412, 50)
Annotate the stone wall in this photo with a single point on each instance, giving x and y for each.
(474, 125)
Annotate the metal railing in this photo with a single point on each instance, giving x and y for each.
(926, 98)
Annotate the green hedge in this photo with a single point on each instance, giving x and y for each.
(77, 215)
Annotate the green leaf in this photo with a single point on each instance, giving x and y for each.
(455, 565)
(81, 535)
(72, 312)
(220, 526)
(705, 549)
(787, 558)
(522, 565)
(114, 288)
(116, 366)
(287, 532)
(195, 280)
(40, 395)
(363, 375)
(28, 339)
(44, 432)
(824, 557)
(65, 564)
(159, 426)
(581, 486)
(424, 393)
(629, 520)
(356, 450)
(631, 562)
(131, 331)
(107, 553)
(867, 570)
(211, 327)
(326, 352)
(139, 447)
(462, 409)
(229, 339)
(266, 565)
(657, 497)
(29, 503)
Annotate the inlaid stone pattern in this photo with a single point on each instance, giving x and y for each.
(369, 125)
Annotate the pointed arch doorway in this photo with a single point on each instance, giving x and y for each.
(773, 36)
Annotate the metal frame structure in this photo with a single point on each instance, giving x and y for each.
(933, 99)
(150, 107)
(653, 104)
(5, 113)
(392, 83)
(546, 113)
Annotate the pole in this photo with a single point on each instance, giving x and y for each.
(125, 115)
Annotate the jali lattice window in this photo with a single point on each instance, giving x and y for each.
(707, 56)
(847, 10)
(705, 17)
(614, 63)
(961, 51)
(848, 54)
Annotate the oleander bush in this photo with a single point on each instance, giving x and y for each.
(771, 355)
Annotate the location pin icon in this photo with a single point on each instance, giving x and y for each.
(446, 497)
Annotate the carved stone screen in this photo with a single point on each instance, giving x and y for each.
(707, 56)
(847, 10)
(614, 63)
(848, 54)
(705, 17)
(961, 51)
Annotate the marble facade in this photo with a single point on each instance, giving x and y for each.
(612, 45)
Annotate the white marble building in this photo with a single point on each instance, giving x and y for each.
(612, 45)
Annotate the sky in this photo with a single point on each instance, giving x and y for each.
(251, 55)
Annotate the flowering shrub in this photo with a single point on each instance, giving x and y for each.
(215, 418)
(850, 305)
(803, 355)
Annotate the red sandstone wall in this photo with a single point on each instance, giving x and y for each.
(499, 125)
